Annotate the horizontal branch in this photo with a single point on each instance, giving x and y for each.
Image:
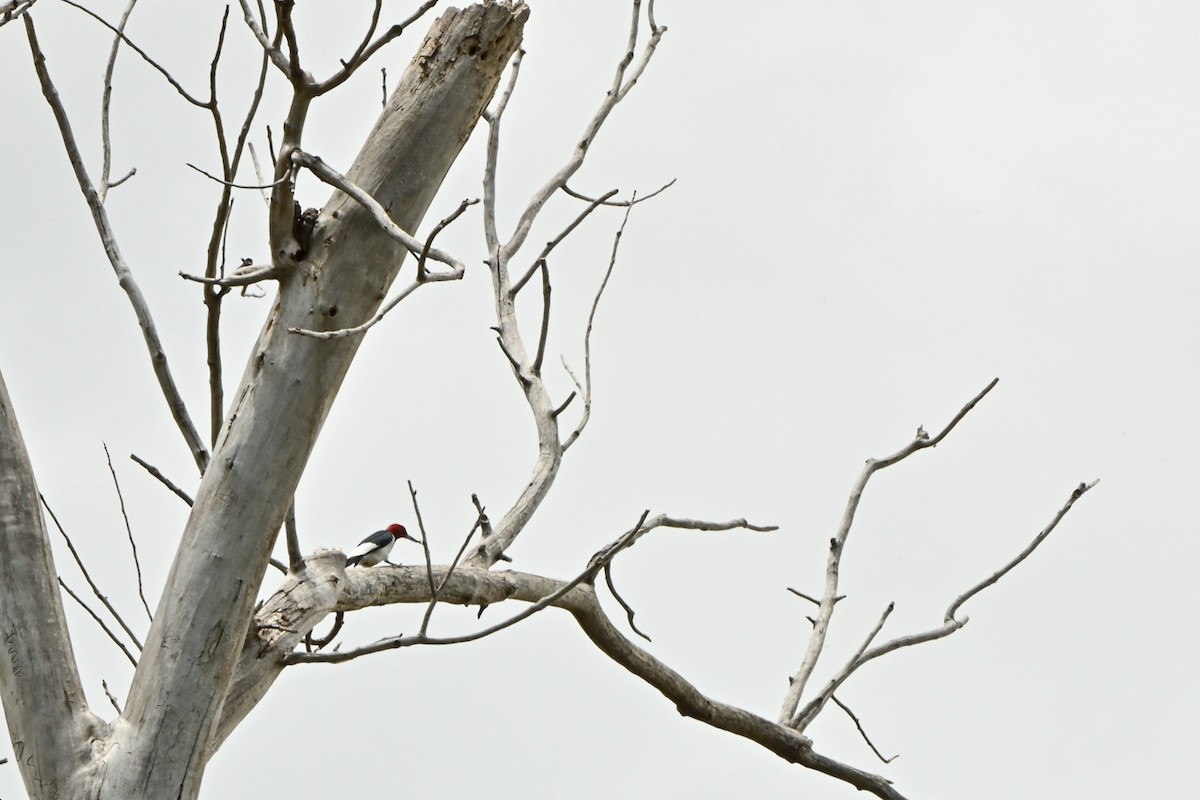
(242, 276)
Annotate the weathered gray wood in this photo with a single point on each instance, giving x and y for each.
(175, 714)
(178, 689)
(48, 719)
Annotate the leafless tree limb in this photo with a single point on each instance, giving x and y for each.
(492, 118)
(809, 598)
(311, 644)
(435, 592)
(603, 201)
(176, 85)
(950, 624)
(473, 586)
(952, 611)
(259, 174)
(105, 103)
(816, 641)
(623, 80)
(8, 12)
(550, 245)
(125, 277)
(585, 391)
(99, 621)
(242, 276)
(270, 48)
(814, 706)
(163, 479)
(137, 564)
(295, 557)
(544, 332)
(233, 185)
(88, 576)
(337, 180)
(608, 579)
(550, 447)
(111, 697)
(862, 732)
(422, 273)
(230, 163)
(423, 276)
(368, 48)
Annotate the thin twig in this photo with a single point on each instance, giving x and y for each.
(557, 240)
(125, 277)
(87, 576)
(952, 611)
(233, 185)
(586, 389)
(258, 173)
(424, 546)
(105, 103)
(862, 732)
(603, 201)
(243, 276)
(628, 608)
(295, 557)
(111, 697)
(137, 565)
(99, 621)
(145, 57)
(565, 403)
(366, 50)
(545, 329)
(463, 206)
(809, 598)
(163, 479)
(493, 118)
(311, 644)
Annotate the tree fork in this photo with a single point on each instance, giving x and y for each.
(158, 748)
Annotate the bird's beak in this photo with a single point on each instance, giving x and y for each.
(409, 536)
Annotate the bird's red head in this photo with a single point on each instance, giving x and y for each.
(398, 532)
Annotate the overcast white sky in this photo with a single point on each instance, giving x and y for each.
(879, 208)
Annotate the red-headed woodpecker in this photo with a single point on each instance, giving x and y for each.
(375, 548)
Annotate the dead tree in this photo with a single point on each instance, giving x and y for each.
(210, 654)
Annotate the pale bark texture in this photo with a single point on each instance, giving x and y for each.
(48, 718)
(170, 726)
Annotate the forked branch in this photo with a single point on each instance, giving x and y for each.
(816, 641)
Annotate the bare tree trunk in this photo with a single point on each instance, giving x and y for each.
(48, 718)
(158, 748)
